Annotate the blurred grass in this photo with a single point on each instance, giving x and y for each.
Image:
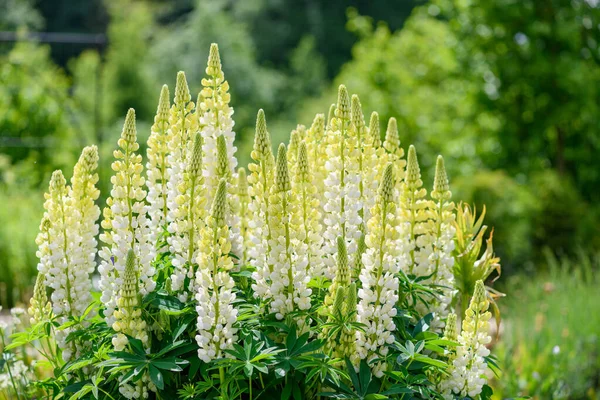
(549, 346)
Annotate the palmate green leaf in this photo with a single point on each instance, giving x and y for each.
(156, 377)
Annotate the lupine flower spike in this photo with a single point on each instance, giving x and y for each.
(307, 214)
(40, 308)
(129, 322)
(414, 210)
(214, 286)
(342, 194)
(367, 161)
(288, 288)
(186, 186)
(467, 373)
(261, 180)
(379, 292)
(439, 245)
(125, 223)
(157, 165)
(215, 120)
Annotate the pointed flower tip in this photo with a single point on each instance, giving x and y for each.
(387, 183)
(282, 176)
(214, 60)
(357, 114)
(129, 133)
(219, 205)
(57, 181)
(182, 90)
(450, 331)
(351, 298)
(480, 293)
(196, 162)
(343, 104)
(130, 261)
(89, 158)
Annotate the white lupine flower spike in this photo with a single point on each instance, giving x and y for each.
(157, 167)
(261, 181)
(214, 293)
(379, 292)
(126, 225)
(467, 373)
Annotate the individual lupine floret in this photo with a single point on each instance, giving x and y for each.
(157, 170)
(414, 214)
(241, 209)
(187, 221)
(129, 322)
(40, 308)
(215, 120)
(126, 226)
(364, 155)
(83, 194)
(307, 214)
(379, 292)
(436, 254)
(214, 286)
(467, 373)
(342, 193)
(261, 180)
(288, 289)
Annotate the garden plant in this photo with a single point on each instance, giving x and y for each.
(325, 270)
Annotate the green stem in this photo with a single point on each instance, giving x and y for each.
(250, 386)
(222, 380)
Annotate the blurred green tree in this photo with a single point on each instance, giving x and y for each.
(536, 68)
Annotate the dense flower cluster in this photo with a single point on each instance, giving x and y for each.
(467, 374)
(326, 233)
